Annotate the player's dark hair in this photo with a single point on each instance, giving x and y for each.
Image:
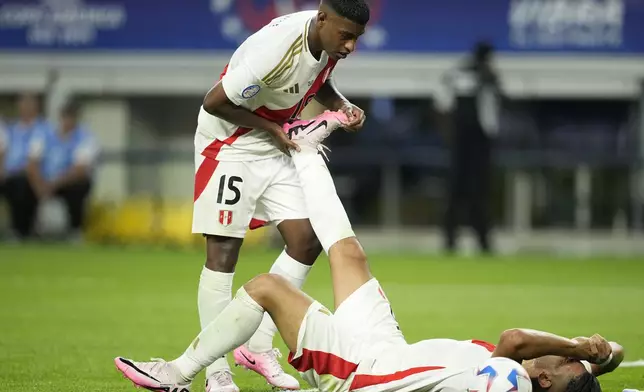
(584, 383)
(356, 11)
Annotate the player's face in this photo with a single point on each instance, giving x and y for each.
(339, 36)
(554, 373)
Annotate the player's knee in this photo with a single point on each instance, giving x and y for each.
(347, 250)
(222, 253)
(263, 287)
(304, 246)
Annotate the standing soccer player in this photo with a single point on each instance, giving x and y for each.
(244, 173)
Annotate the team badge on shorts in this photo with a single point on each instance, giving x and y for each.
(225, 217)
(250, 91)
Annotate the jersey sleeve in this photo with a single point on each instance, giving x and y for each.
(266, 67)
(241, 83)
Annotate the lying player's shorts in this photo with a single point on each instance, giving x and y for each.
(232, 196)
(330, 346)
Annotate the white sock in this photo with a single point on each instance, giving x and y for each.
(230, 329)
(295, 272)
(326, 212)
(214, 294)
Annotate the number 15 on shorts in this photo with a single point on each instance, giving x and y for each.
(232, 187)
(228, 185)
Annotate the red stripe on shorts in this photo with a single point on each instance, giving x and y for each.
(209, 164)
(256, 223)
(323, 363)
(369, 380)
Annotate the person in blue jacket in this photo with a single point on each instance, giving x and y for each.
(61, 164)
(15, 138)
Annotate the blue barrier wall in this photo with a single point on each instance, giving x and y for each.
(397, 26)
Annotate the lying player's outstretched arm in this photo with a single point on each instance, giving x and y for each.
(524, 344)
(616, 358)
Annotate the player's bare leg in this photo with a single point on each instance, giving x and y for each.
(301, 250)
(272, 293)
(349, 268)
(301, 242)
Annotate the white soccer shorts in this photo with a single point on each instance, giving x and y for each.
(232, 196)
(330, 346)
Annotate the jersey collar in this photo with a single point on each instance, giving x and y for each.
(307, 51)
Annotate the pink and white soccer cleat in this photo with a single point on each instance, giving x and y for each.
(266, 365)
(311, 133)
(157, 375)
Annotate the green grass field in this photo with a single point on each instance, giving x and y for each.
(66, 313)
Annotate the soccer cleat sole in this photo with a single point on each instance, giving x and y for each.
(140, 379)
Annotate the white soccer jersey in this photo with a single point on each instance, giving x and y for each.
(273, 74)
(429, 365)
(360, 348)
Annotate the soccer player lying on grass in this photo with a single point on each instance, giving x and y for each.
(360, 347)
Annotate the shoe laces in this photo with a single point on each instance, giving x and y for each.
(223, 377)
(170, 371)
(274, 367)
(322, 150)
(159, 365)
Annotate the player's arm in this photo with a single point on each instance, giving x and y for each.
(523, 344)
(220, 105)
(329, 96)
(237, 86)
(616, 358)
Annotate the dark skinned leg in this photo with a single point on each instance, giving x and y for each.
(301, 242)
(222, 253)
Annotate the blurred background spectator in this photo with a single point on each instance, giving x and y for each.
(61, 165)
(471, 103)
(17, 191)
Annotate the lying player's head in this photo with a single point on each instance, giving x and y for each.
(339, 24)
(559, 374)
